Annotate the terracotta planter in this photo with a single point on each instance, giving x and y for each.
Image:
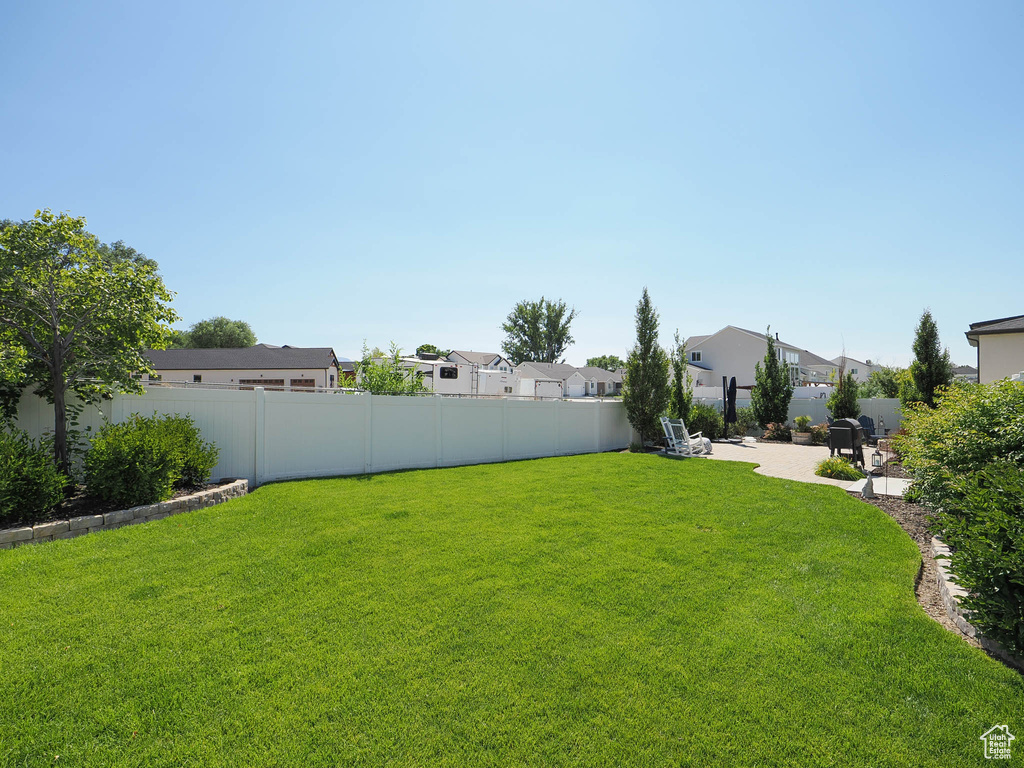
(802, 438)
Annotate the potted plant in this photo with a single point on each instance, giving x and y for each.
(802, 436)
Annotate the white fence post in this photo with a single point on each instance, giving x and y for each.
(367, 432)
(260, 414)
(438, 438)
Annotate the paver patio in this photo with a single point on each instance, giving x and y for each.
(785, 460)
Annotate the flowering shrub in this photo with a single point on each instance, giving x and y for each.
(779, 431)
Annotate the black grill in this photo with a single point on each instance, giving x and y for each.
(846, 435)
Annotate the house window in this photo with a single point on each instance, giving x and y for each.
(853, 371)
(197, 378)
(695, 357)
(508, 390)
(332, 379)
(449, 372)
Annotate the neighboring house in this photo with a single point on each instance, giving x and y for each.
(818, 370)
(598, 382)
(735, 352)
(486, 360)
(1000, 346)
(965, 373)
(861, 370)
(262, 365)
(573, 382)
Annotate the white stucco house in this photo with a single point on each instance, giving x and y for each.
(1000, 345)
(574, 384)
(734, 351)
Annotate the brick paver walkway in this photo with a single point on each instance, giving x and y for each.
(785, 460)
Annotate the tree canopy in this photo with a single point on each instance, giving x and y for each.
(607, 362)
(773, 388)
(214, 333)
(386, 374)
(75, 315)
(885, 382)
(432, 350)
(645, 392)
(538, 331)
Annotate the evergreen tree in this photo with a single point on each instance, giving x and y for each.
(645, 389)
(842, 403)
(931, 368)
(681, 397)
(773, 389)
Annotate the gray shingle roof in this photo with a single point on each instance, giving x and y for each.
(480, 358)
(593, 372)
(1002, 325)
(969, 370)
(245, 358)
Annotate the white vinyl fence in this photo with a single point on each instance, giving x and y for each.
(265, 436)
(879, 409)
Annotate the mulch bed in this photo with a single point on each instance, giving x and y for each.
(80, 504)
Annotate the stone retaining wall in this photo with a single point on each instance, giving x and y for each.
(78, 526)
(951, 594)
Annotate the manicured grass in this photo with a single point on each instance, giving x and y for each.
(617, 609)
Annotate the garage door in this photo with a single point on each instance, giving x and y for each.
(575, 390)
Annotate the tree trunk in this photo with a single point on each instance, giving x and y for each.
(60, 431)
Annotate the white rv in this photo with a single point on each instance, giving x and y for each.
(451, 378)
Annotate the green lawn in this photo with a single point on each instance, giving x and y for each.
(613, 609)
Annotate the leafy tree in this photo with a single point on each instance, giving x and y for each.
(383, 374)
(884, 382)
(79, 316)
(606, 362)
(681, 397)
(931, 368)
(842, 403)
(538, 331)
(773, 388)
(431, 349)
(215, 333)
(645, 387)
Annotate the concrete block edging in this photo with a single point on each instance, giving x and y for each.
(78, 526)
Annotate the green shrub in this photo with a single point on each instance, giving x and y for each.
(842, 403)
(819, 433)
(971, 426)
(988, 551)
(197, 457)
(838, 468)
(966, 457)
(777, 430)
(705, 418)
(30, 483)
(802, 422)
(144, 459)
(745, 420)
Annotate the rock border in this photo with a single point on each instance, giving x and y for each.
(79, 526)
(951, 593)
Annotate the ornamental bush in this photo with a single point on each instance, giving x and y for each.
(838, 468)
(30, 483)
(145, 459)
(988, 551)
(966, 457)
(705, 418)
(777, 430)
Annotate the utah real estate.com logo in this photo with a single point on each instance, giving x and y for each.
(997, 742)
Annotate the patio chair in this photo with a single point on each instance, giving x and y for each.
(679, 442)
(867, 425)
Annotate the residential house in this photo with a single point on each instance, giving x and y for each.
(965, 373)
(861, 370)
(573, 382)
(734, 351)
(263, 365)
(491, 361)
(1000, 346)
(599, 382)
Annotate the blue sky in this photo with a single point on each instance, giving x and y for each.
(404, 171)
